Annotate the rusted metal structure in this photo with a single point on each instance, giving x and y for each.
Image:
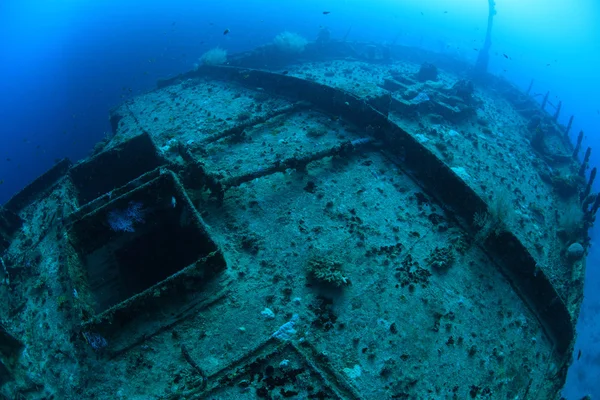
(352, 222)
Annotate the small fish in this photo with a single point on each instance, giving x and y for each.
(475, 48)
(505, 56)
(422, 13)
(579, 355)
(285, 72)
(226, 31)
(547, 65)
(8, 159)
(1, 181)
(326, 12)
(445, 12)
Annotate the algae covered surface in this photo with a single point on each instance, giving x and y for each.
(354, 223)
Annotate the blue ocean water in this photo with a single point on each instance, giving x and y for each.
(64, 64)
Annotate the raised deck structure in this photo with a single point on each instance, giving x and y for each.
(353, 222)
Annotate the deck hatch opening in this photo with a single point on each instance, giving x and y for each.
(166, 237)
(114, 168)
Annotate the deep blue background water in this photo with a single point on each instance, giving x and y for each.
(64, 64)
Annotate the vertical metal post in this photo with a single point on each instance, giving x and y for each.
(557, 112)
(529, 88)
(569, 126)
(545, 100)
